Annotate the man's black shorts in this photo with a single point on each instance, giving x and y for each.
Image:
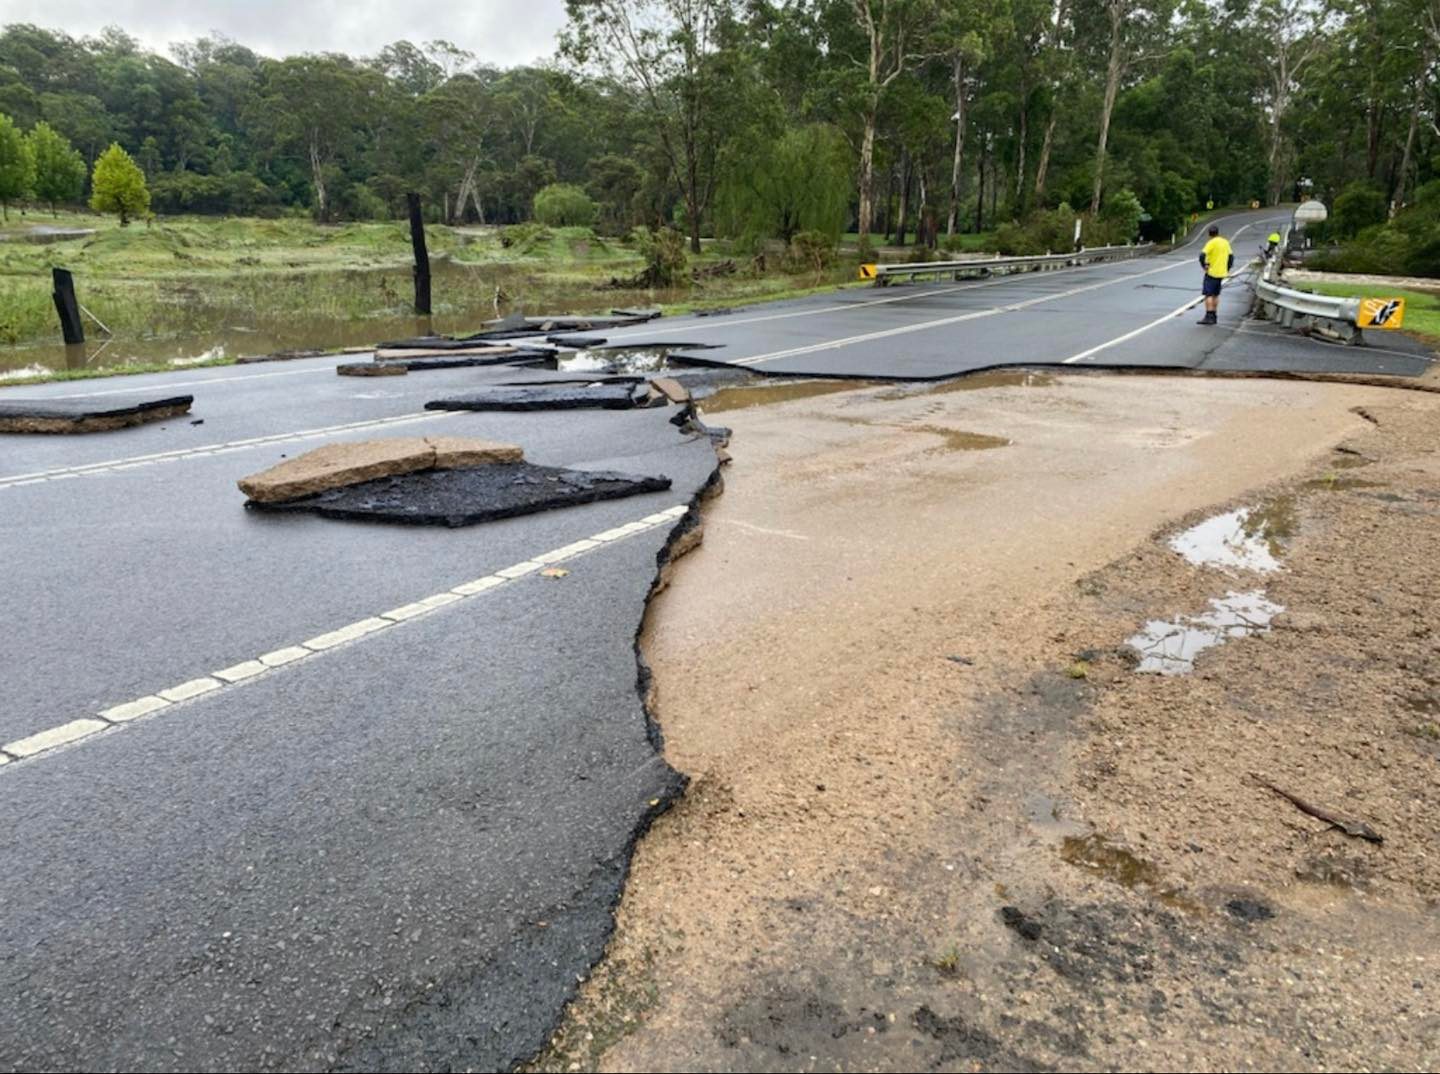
(1211, 289)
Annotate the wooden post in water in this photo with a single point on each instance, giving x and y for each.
(422, 258)
(67, 306)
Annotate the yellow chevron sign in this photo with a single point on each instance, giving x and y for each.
(1381, 313)
(867, 272)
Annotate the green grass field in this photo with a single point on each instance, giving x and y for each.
(181, 287)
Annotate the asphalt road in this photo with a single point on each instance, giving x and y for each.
(398, 850)
(1132, 313)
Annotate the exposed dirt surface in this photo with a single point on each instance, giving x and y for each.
(938, 820)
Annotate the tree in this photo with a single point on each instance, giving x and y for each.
(564, 205)
(59, 169)
(776, 189)
(879, 40)
(17, 167)
(1133, 32)
(320, 107)
(118, 185)
(668, 50)
(1292, 36)
(963, 32)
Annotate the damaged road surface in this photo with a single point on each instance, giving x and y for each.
(363, 796)
(287, 794)
(466, 497)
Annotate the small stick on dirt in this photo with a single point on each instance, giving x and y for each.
(1356, 828)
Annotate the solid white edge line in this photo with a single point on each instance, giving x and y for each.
(44, 741)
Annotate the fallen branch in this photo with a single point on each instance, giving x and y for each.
(1356, 828)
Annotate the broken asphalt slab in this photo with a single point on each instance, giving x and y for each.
(606, 396)
(340, 465)
(469, 496)
(86, 415)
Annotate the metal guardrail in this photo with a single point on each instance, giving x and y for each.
(957, 269)
(1288, 307)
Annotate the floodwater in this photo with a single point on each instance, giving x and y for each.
(1170, 647)
(771, 392)
(196, 325)
(1248, 538)
(648, 358)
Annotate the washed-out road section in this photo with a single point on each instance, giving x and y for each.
(381, 810)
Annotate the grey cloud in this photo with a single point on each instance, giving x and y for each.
(501, 32)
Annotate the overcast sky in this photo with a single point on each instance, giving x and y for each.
(501, 32)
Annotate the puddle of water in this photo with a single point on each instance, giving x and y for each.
(1096, 854)
(615, 360)
(1349, 462)
(1248, 538)
(772, 392)
(1047, 817)
(954, 439)
(958, 440)
(979, 382)
(1331, 483)
(1170, 647)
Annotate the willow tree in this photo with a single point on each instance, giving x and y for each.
(777, 188)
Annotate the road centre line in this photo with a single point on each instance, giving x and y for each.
(700, 325)
(153, 388)
(971, 315)
(1187, 304)
(118, 716)
(930, 292)
(135, 461)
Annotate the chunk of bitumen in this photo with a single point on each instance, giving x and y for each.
(607, 396)
(86, 415)
(372, 369)
(578, 342)
(469, 496)
(1248, 910)
(1018, 920)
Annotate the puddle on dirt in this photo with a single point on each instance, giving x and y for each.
(1170, 647)
(1046, 816)
(1331, 483)
(1350, 462)
(958, 440)
(954, 439)
(1248, 538)
(1096, 854)
(979, 382)
(770, 393)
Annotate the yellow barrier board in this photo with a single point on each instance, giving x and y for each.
(867, 272)
(1381, 313)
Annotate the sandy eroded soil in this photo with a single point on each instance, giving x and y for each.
(939, 821)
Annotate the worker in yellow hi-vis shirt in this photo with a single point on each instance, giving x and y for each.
(1217, 261)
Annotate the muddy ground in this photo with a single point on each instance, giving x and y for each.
(938, 819)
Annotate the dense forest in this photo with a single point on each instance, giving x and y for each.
(760, 119)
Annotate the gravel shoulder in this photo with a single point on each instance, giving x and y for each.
(938, 820)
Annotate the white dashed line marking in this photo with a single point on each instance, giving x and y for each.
(119, 715)
(135, 462)
(941, 322)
